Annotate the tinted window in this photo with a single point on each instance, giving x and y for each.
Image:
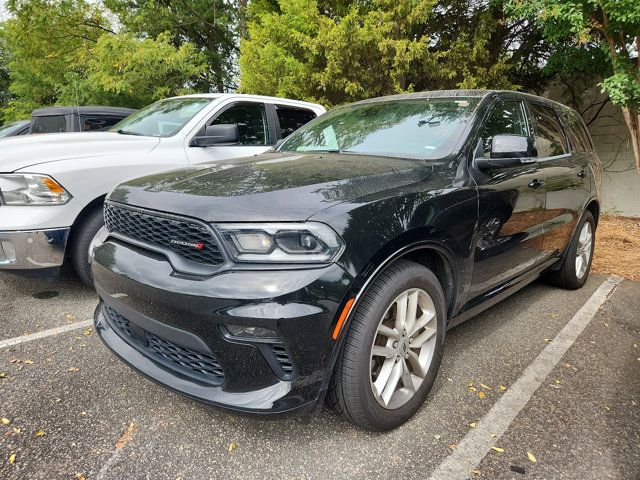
(98, 122)
(49, 124)
(420, 128)
(292, 119)
(506, 118)
(162, 119)
(17, 128)
(549, 138)
(251, 122)
(576, 132)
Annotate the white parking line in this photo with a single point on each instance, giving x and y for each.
(477, 443)
(45, 333)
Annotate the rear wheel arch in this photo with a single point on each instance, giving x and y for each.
(594, 207)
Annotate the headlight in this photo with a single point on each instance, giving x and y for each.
(31, 189)
(281, 242)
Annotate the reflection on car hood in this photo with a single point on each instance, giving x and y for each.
(269, 187)
(26, 151)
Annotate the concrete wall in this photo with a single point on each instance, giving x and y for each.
(621, 180)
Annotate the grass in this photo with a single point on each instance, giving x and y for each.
(617, 247)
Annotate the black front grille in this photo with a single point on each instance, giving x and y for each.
(199, 366)
(187, 238)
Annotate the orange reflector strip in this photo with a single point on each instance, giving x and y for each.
(53, 186)
(343, 317)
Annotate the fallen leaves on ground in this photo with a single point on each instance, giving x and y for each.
(532, 457)
(617, 249)
(73, 369)
(39, 433)
(232, 446)
(28, 362)
(12, 458)
(87, 331)
(126, 436)
(473, 424)
(502, 388)
(481, 394)
(5, 421)
(497, 449)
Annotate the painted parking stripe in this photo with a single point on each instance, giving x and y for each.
(477, 443)
(45, 333)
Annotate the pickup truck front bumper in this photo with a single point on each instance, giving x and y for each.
(33, 249)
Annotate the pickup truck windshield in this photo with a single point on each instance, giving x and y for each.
(421, 128)
(161, 119)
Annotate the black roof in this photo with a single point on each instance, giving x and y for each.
(46, 111)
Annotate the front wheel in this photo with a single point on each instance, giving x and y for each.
(84, 232)
(393, 349)
(574, 269)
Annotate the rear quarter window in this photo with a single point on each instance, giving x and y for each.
(291, 119)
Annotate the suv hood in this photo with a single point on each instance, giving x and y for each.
(270, 187)
(17, 153)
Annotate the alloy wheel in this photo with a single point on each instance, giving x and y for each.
(583, 252)
(403, 348)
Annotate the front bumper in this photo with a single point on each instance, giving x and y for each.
(171, 328)
(33, 249)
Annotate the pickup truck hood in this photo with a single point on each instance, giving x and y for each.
(269, 187)
(18, 153)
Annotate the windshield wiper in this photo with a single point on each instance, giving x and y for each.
(129, 132)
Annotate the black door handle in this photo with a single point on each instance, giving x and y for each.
(536, 183)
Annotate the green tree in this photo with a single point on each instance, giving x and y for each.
(336, 52)
(4, 72)
(610, 25)
(67, 52)
(212, 26)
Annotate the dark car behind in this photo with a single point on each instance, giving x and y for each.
(15, 128)
(76, 119)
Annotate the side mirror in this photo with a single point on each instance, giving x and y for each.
(217, 135)
(507, 151)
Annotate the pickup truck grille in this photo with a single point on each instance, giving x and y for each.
(187, 238)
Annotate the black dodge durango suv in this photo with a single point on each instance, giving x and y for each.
(332, 267)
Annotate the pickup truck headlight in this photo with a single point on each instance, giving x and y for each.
(308, 242)
(31, 189)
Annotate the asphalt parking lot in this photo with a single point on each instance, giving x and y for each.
(75, 411)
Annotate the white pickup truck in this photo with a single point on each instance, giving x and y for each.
(52, 186)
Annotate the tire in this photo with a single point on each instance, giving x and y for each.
(567, 276)
(83, 233)
(351, 390)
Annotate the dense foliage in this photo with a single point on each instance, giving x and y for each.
(335, 52)
(613, 27)
(66, 52)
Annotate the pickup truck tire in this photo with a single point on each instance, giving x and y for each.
(351, 390)
(83, 233)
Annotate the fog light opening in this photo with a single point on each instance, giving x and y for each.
(246, 331)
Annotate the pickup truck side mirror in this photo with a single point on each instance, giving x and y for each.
(507, 151)
(221, 134)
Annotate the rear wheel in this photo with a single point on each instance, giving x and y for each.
(83, 233)
(392, 350)
(574, 270)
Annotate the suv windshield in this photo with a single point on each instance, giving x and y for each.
(422, 128)
(161, 119)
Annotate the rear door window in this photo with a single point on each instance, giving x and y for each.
(251, 121)
(49, 124)
(98, 122)
(291, 119)
(576, 132)
(549, 137)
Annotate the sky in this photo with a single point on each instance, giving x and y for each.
(3, 10)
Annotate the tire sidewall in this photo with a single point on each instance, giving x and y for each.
(86, 231)
(570, 260)
(414, 276)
